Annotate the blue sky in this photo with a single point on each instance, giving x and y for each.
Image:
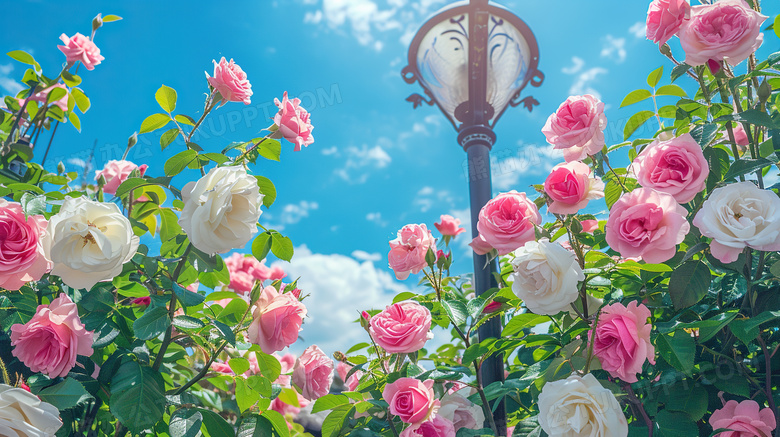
(376, 163)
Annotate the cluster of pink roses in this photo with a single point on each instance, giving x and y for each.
(246, 270)
(408, 251)
(727, 30)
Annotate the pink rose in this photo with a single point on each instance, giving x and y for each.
(571, 186)
(589, 226)
(245, 270)
(276, 320)
(436, 427)
(676, 166)
(143, 301)
(577, 127)
(231, 82)
(622, 340)
(43, 95)
(506, 222)
(402, 328)
(21, 253)
(740, 136)
(646, 223)
(223, 368)
(407, 252)
(449, 225)
(744, 419)
(51, 340)
(664, 19)
(313, 373)
(461, 412)
(116, 172)
(80, 48)
(293, 122)
(287, 362)
(354, 379)
(410, 399)
(728, 30)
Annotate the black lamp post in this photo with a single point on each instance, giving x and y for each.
(473, 59)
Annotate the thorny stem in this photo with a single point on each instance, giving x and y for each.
(635, 400)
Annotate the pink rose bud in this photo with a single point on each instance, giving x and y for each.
(727, 30)
(571, 186)
(293, 122)
(744, 418)
(408, 250)
(223, 368)
(505, 223)
(246, 270)
(410, 399)
(440, 254)
(664, 19)
(313, 373)
(80, 48)
(24, 386)
(366, 316)
(116, 172)
(676, 166)
(449, 225)
(231, 82)
(740, 136)
(646, 223)
(491, 307)
(402, 328)
(50, 342)
(622, 340)
(714, 66)
(589, 226)
(436, 427)
(276, 320)
(21, 252)
(296, 292)
(144, 301)
(577, 127)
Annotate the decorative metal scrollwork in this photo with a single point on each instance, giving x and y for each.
(528, 102)
(418, 100)
(537, 78)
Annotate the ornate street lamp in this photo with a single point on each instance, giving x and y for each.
(473, 59)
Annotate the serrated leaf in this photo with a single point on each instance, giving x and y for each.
(268, 190)
(24, 58)
(329, 402)
(154, 122)
(282, 247)
(261, 246)
(678, 350)
(66, 394)
(75, 120)
(185, 423)
(187, 322)
(744, 166)
(166, 98)
(184, 119)
(679, 70)
(152, 323)
(168, 137)
(635, 122)
(82, 101)
(635, 97)
(689, 284)
(671, 90)
(137, 396)
(655, 76)
(178, 162)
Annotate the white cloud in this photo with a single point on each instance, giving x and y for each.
(339, 287)
(360, 160)
(639, 30)
(577, 64)
(330, 151)
(508, 167)
(376, 217)
(582, 84)
(291, 214)
(614, 48)
(362, 255)
(428, 196)
(6, 82)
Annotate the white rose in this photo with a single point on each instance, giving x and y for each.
(221, 209)
(22, 414)
(461, 412)
(546, 276)
(580, 406)
(88, 242)
(740, 215)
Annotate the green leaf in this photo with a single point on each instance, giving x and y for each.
(745, 166)
(215, 425)
(75, 120)
(168, 137)
(187, 322)
(747, 329)
(655, 76)
(66, 394)
(186, 297)
(776, 25)
(281, 246)
(752, 116)
(82, 101)
(270, 149)
(679, 70)
(270, 367)
(687, 399)
(71, 80)
(184, 119)
(329, 402)
(635, 97)
(169, 224)
(268, 189)
(689, 283)
(456, 310)
(154, 122)
(245, 396)
(178, 162)
(109, 18)
(261, 246)
(185, 423)
(678, 350)
(522, 321)
(704, 133)
(129, 185)
(333, 424)
(153, 323)
(612, 192)
(226, 332)
(635, 122)
(239, 365)
(166, 98)
(24, 58)
(674, 424)
(671, 90)
(137, 396)
(277, 422)
(33, 204)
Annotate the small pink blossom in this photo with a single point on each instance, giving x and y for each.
(402, 328)
(577, 127)
(231, 82)
(116, 172)
(408, 250)
(143, 301)
(80, 48)
(246, 270)
(743, 419)
(313, 373)
(22, 257)
(436, 427)
(506, 222)
(449, 225)
(277, 319)
(589, 226)
(293, 122)
(571, 186)
(664, 19)
(622, 340)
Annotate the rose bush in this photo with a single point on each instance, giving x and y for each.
(653, 313)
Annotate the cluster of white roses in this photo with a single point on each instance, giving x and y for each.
(88, 241)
